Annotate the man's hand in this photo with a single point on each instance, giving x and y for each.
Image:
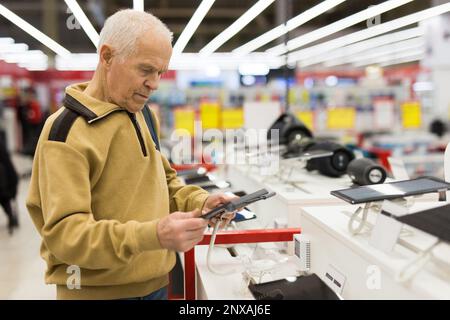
(181, 231)
(216, 200)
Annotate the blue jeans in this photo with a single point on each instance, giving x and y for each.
(160, 294)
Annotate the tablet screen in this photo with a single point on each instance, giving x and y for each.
(392, 190)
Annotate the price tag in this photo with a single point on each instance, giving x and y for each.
(387, 230)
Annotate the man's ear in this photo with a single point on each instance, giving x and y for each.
(106, 55)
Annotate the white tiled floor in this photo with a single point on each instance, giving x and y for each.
(21, 267)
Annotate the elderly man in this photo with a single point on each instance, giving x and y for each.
(101, 192)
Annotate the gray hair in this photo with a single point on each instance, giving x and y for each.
(123, 28)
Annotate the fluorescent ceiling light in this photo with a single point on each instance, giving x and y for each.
(84, 21)
(183, 61)
(290, 25)
(212, 71)
(38, 68)
(34, 66)
(77, 61)
(392, 57)
(12, 48)
(423, 86)
(138, 5)
(368, 33)
(331, 81)
(337, 26)
(224, 61)
(24, 57)
(4, 41)
(402, 60)
(32, 31)
(238, 25)
(253, 69)
(364, 45)
(397, 47)
(32, 60)
(19, 54)
(192, 25)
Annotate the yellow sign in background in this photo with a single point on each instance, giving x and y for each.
(184, 119)
(210, 115)
(411, 115)
(307, 117)
(341, 118)
(232, 118)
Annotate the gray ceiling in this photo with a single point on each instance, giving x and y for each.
(51, 17)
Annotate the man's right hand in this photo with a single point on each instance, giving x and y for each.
(181, 231)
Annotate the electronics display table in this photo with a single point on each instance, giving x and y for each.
(306, 189)
(321, 217)
(359, 262)
(233, 286)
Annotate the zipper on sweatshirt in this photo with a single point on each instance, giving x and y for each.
(104, 115)
(138, 132)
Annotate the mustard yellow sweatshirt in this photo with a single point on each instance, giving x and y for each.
(98, 189)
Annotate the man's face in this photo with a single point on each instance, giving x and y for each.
(130, 82)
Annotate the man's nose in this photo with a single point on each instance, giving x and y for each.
(152, 83)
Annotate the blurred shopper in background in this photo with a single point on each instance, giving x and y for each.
(8, 186)
(35, 118)
(30, 118)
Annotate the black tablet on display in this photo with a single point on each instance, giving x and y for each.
(309, 287)
(434, 221)
(378, 192)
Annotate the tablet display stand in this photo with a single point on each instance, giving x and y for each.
(356, 227)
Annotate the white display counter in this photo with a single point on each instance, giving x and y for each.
(369, 272)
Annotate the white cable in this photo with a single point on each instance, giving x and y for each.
(264, 268)
(414, 266)
(362, 223)
(210, 250)
(363, 220)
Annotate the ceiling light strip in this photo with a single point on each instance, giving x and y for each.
(402, 46)
(290, 25)
(364, 46)
(192, 25)
(368, 33)
(237, 26)
(403, 60)
(32, 31)
(390, 57)
(337, 26)
(84, 21)
(138, 5)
